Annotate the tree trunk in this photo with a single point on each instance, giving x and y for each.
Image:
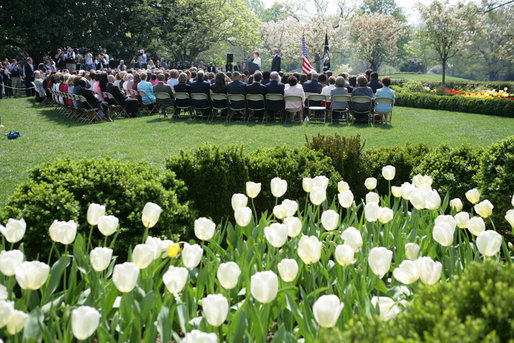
(444, 71)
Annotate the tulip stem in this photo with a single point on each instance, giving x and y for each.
(254, 211)
(51, 251)
(89, 244)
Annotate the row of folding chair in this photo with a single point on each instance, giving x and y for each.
(85, 114)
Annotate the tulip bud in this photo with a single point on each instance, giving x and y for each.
(309, 249)
(432, 200)
(411, 251)
(379, 259)
(100, 258)
(475, 225)
(173, 250)
(264, 286)
(446, 219)
(175, 279)
(84, 321)
(124, 276)
(372, 197)
(385, 215)
(6, 310)
(489, 242)
(280, 211)
(407, 190)
(142, 255)
(397, 191)
(278, 187)
(456, 204)
(342, 186)
(290, 206)
(429, 270)
(288, 269)
(191, 255)
(484, 208)
(420, 180)
(407, 272)
(239, 200)
(253, 189)
(294, 226)
(370, 183)
(386, 306)
(215, 309)
(276, 234)
(307, 184)
(443, 234)
(326, 310)
(108, 225)
(14, 230)
(371, 211)
(353, 238)
(204, 228)
(417, 199)
(155, 244)
(151, 214)
(94, 212)
(388, 172)
(16, 322)
(9, 261)
(509, 216)
(345, 198)
(320, 181)
(329, 220)
(31, 275)
(317, 195)
(344, 255)
(63, 232)
(197, 336)
(473, 195)
(461, 219)
(228, 274)
(243, 216)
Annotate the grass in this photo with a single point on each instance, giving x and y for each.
(424, 77)
(46, 136)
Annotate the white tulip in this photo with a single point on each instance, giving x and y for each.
(385, 215)
(307, 184)
(353, 238)
(372, 197)
(509, 216)
(84, 322)
(342, 186)
(155, 243)
(276, 234)
(278, 187)
(429, 270)
(371, 212)
(264, 286)
(9, 261)
(3, 293)
(345, 198)
(326, 310)
(280, 211)
(204, 228)
(291, 207)
(191, 255)
(16, 322)
(370, 183)
(309, 249)
(253, 189)
(419, 180)
(6, 309)
(197, 336)
(432, 200)
(14, 230)
(512, 200)
(484, 208)
(389, 172)
(63, 232)
(411, 251)
(317, 195)
(379, 259)
(461, 219)
(288, 269)
(386, 306)
(475, 225)
(32, 275)
(100, 258)
(143, 255)
(243, 216)
(320, 181)
(124, 276)
(344, 255)
(215, 309)
(165, 244)
(94, 212)
(108, 225)
(473, 195)
(443, 234)
(294, 226)
(175, 279)
(417, 199)
(239, 200)
(330, 220)
(456, 204)
(151, 214)
(446, 219)
(397, 191)
(407, 190)
(228, 274)
(407, 272)
(489, 242)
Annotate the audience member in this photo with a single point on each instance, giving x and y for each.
(92, 101)
(384, 92)
(294, 89)
(362, 90)
(339, 89)
(374, 84)
(162, 87)
(257, 88)
(130, 105)
(149, 97)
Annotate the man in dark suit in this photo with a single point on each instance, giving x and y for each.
(201, 86)
(237, 87)
(275, 87)
(211, 68)
(312, 86)
(28, 74)
(161, 87)
(92, 101)
(130, 105)
(257, 88)
(275, 63)
(265, 77)
(374, 84)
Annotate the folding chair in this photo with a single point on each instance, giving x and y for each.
(114, 105)
(195, 97)
(179, 108)
(90, 112)
(163, 101)
(293, 111)
(313, 109)
(234, 101)
(151, 106)
(275, 98)
(253, 102)
(385, 118)
(221, 98)
(361, 115)
(344, 112)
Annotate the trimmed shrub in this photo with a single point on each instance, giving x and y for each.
(64, 189)
(452, 169)
(476, 307)
(461, 84)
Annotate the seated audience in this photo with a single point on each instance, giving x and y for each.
(326, 91)
(339, 89)
(294, 89)
(275, 87)
(220, 87)
(173, 80)
(257, 88)
(130, 105)
(237, 87)
(352, 83)
(374, 84)
(146, 87)
(200, 86)
(161, 87)
(384, 92)
(92, 101)
(362, 90)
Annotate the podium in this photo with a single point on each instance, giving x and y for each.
(253, 67)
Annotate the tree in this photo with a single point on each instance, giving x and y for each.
(382, 7)
(445, 28)
(375, 38)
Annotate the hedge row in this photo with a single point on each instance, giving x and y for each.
(500, 107)
(467, 85)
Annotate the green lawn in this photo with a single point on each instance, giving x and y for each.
(424, 77)
(47, 136)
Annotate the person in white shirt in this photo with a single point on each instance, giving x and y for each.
(106, 57)
(294, 89)
(257, 59)
(70, 59)
(88, 61)
(173, 80)
(327, 89)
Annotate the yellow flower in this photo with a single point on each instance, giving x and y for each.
(173, 250)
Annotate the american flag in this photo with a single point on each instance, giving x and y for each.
(306, 66)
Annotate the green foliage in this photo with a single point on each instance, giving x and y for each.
(452, 169)
(64, 189)
(464, 85)
(496, 177)
(476, 307)
(499, 107)
(413, 86)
